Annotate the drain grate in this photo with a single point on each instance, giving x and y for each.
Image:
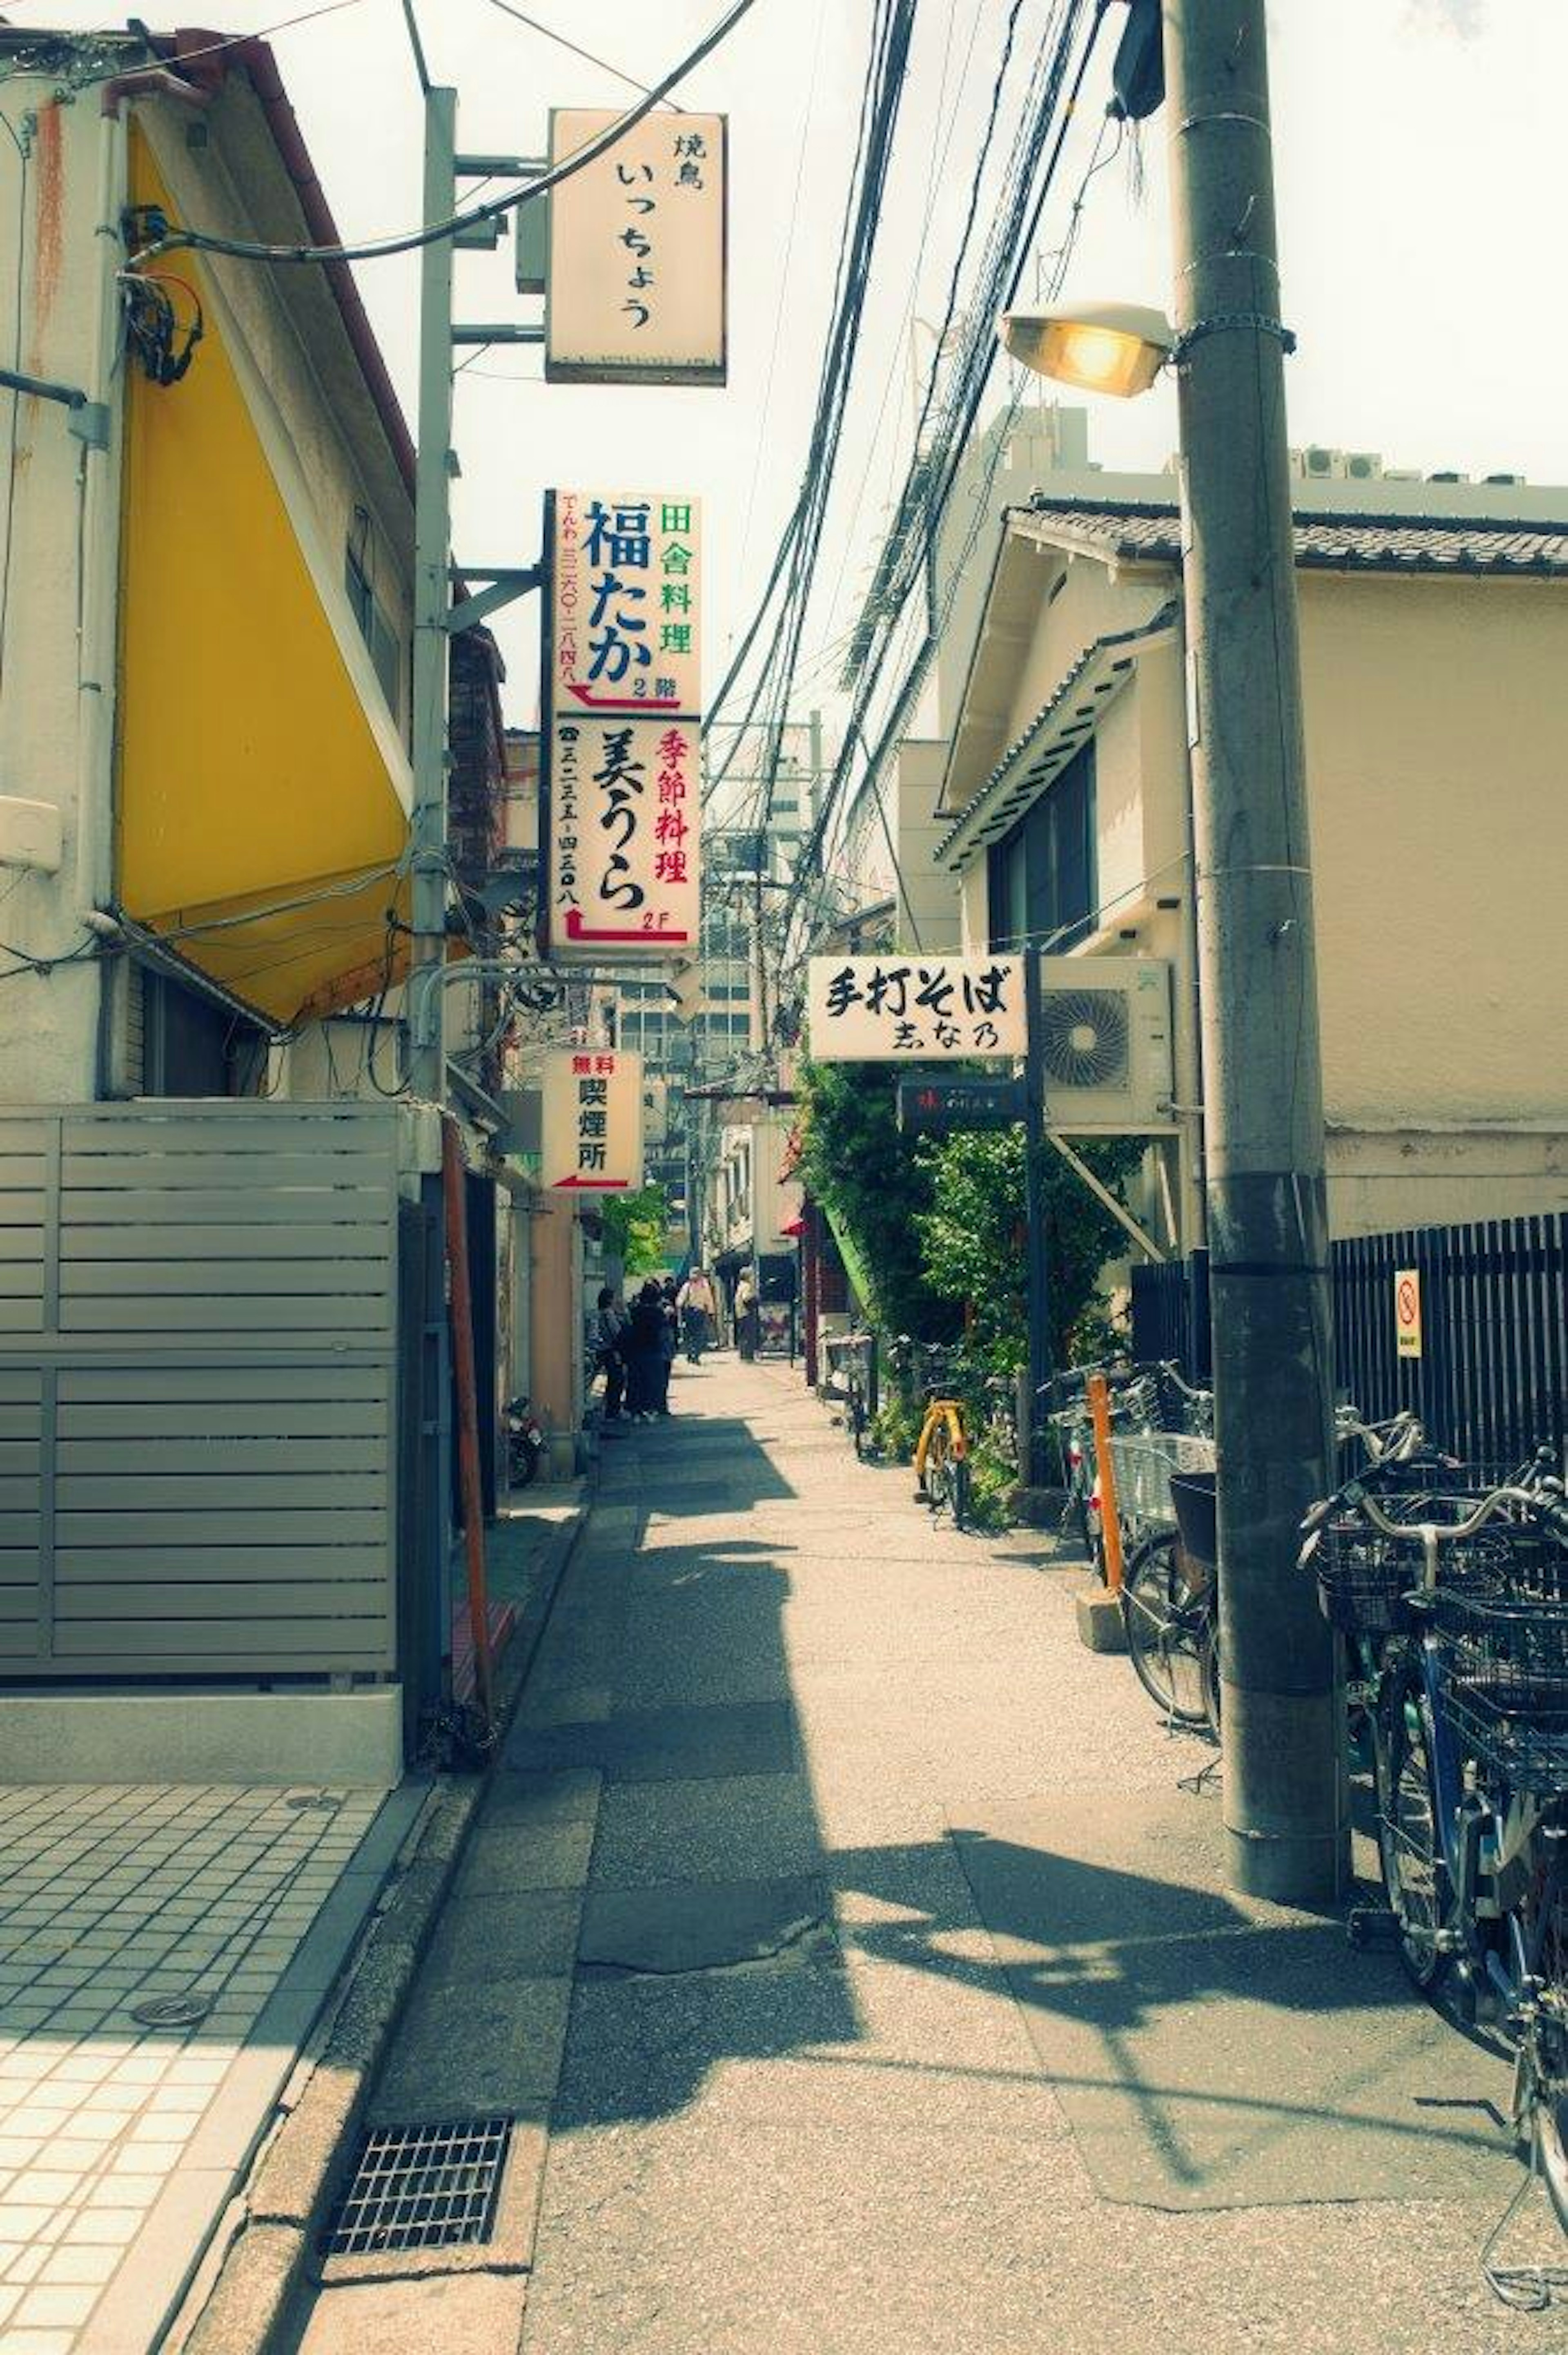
(421, 2187)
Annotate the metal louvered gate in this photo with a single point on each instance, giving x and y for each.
(198, 1391)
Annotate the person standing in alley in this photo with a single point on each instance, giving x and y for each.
(696, 1303)
(745, 1319)
(609, 1338)
(644, 1353)
(669, 1342)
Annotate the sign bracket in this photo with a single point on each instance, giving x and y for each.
(505, 586)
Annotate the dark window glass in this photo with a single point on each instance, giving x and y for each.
(1041, 875)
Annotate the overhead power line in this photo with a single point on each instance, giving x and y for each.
(380, 249)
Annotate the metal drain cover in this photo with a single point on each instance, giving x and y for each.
(171, 2010)
(421, 2187)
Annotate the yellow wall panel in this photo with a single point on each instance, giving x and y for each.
(249, 772)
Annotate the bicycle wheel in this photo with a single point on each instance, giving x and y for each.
(961, 1487)
(856, 1419)
(1164, 1629)
(1210, 1664)
(1550, 2106)
(938, 1469)
(1409, 1847)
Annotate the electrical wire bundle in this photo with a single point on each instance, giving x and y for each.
(909, 553)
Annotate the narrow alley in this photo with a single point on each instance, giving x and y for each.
(905, 2005)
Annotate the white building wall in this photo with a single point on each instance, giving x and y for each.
(57, 654)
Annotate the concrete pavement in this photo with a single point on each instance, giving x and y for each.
(855, 1968)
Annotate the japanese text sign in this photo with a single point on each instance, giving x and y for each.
(592, 1135)
(625, 816)
(1407, 1311)
(625, 602)
(882, 1008)
(637, 264)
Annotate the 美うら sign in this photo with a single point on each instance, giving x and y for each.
(625, 602)
(883, 1008)
(592, 1132)
(636, 276)
(625, 815)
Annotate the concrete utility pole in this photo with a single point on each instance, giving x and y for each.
(1039, 1367)
(1284, 1811)
(432, 603)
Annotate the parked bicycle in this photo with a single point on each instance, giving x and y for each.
(941, 1452)
(1466, 1597)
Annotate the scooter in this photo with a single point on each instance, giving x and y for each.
(524, 1443)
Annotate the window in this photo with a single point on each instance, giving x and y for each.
(386, 651)
(1041, 875)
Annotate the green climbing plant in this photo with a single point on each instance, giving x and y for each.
(636, 1228)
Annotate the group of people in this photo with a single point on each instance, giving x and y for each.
(635, 1346)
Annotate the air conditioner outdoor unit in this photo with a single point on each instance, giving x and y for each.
(1106, 1045)
(1323, 464)
(1362, 466)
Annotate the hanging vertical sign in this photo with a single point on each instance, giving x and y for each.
(1407, 1311)
(624, 672)
(626, 604)
(625, 799)
(591, 1138)
(636, 277)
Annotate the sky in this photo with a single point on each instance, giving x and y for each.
(1417, 148)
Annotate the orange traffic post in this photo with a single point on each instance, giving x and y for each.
(1105, 1471)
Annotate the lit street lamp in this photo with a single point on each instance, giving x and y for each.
(1117, 348)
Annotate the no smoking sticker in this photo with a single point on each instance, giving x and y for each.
(1407, 1311)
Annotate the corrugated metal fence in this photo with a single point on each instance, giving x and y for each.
(198, 1338)
(1491, 1382)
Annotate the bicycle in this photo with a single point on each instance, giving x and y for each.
(1169, 1607)
(1472, 1731)
(941, 1452)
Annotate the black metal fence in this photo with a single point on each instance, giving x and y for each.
(1491, 1380)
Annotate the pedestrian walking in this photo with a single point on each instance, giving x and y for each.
(643, 1350)
(609, 1338)
(695, 1302)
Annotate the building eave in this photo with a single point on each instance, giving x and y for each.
(1063, 724)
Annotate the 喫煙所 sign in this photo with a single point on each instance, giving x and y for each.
(591, 1139)
(887, 1009)
(635, 285)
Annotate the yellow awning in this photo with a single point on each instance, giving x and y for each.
(263, 789)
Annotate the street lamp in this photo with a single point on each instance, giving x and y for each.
(1117, 347)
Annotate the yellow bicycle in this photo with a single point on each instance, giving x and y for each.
(942, 1452)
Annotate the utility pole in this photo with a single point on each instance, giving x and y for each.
(1040, 1351)
(432, 605)
(1284, 1811)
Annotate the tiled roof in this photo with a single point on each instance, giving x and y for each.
(1369, 543)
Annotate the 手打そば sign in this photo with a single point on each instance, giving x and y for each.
(636, 280)
(625, 818)
(592, 1122)
(884, 1008)
(625, 604)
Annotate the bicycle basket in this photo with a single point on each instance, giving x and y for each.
(1364, 1577)
(1506, 1685)
(1193, 1501)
